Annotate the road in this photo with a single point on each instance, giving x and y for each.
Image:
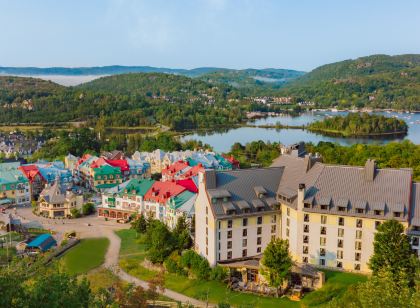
(93, 226)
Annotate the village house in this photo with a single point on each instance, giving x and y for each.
(55, 201)
(14, 187)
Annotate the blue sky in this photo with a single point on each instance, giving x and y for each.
(295, 34)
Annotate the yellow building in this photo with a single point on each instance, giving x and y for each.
(56, 202)
(328, 213)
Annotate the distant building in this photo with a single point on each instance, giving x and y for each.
(42, 243)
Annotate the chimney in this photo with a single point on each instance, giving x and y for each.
(308, 161)
(370, 170)
(301, 196)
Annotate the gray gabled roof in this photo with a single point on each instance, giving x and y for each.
(241, 184)
(415, 205)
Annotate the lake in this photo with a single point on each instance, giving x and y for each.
(222, 141)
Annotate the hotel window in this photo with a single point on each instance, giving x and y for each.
(306, 205)
(357, 267)
(259, 240)
(244, 232)
(229, 244)
(244, 253)
(229, 255)
(397, 214)
(230, 223)
(341, 221)
(324, 230)
(322, 252)
(359, 234)
(415, 241)
(207, 250)
(323, 219)
(342, 208)
(219, 236)
(306, 217)
(339, 264)
(305, 249)
(306, 228)
(207, 220)
(258, 249)
(360, 211)
(322, 241)
(357, 256)
(359, 223)
(273, 229)
(207, 240)
(245, 222)
(377, 224)
(273, 219)
(305, 259)
(259, 230)
(340, 243)
(207, 210)
(287, 222)
(287, 232)
(259, 220)
(339, 254)
(324, 207)
(244, 242)
(273, 237)
(340, 232)
(305, 239)
(229, 234)
(219, 224)
(288, 212)
(207, 231)
(322, 262)
(358, 245)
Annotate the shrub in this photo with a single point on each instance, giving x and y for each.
(218, 273)
(88, 208)
(197, 265)
(172, 264)
(75, 213)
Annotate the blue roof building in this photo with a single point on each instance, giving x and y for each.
(42, 242)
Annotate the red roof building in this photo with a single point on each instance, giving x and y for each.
(232, 160)
(172, 171)
(192, 172)
(120, 163)
(31, 172)
(161, 191)
(189, 184)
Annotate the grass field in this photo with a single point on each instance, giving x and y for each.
(87, 255)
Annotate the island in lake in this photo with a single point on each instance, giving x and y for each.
(359, 124)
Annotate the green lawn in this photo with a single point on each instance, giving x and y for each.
(132, 253)
(87, 255)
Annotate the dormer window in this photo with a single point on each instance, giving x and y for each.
(377, 212)
(342, 209)
(230, 212)
(324, 207)
(306, 205)
(360, 211)
(225, 199)
(397, 214)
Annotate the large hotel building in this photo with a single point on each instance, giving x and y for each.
(328, 213)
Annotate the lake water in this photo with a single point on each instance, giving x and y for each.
(222, 141)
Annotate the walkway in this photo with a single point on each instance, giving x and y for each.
(111, 262)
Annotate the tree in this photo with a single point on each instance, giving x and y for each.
(181, 234)
(88, 208)
(276, 262)
(139, 224)
(392, 251)
(159, 240)
(75, 213)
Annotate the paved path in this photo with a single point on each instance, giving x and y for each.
(92, 226)
(111, 262)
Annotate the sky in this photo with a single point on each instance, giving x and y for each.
(294, 34)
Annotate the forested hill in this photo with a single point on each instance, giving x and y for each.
(152, 84)
(253, 81)
(121, 100)
(375, 81)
